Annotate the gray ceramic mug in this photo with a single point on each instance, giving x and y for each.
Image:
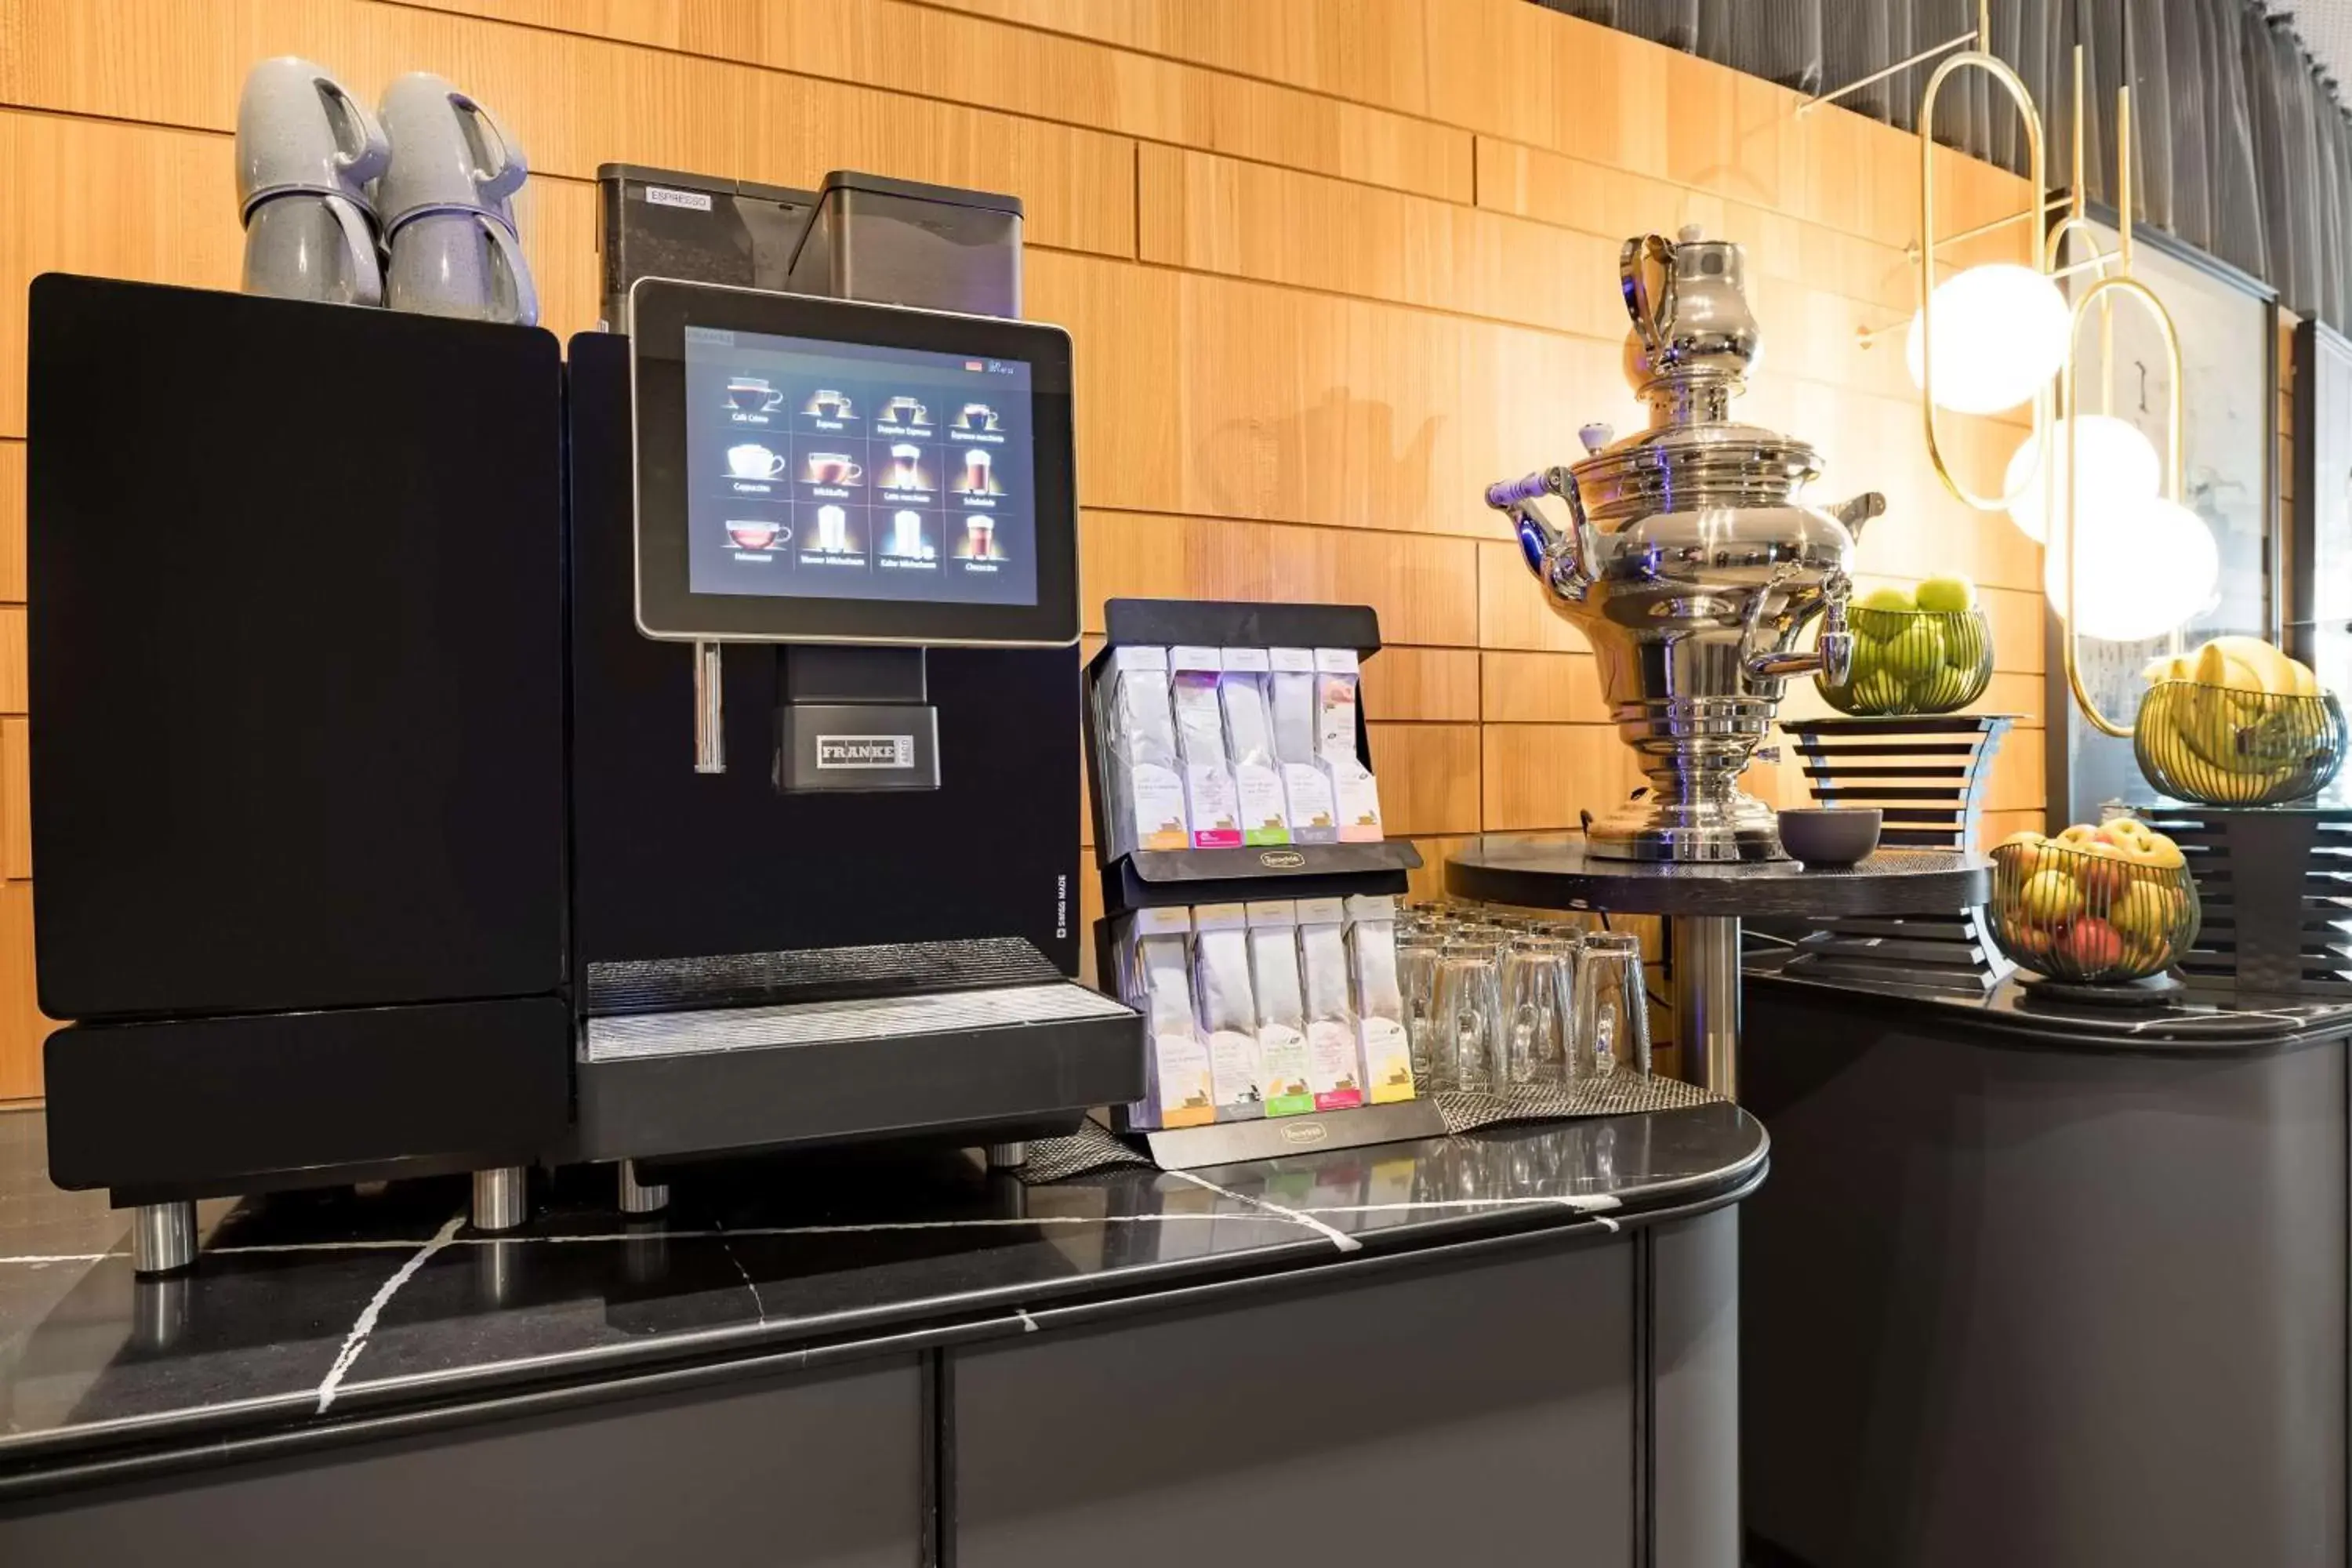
(299, 130)
(301, 245)
(460, 263)
(447, 150)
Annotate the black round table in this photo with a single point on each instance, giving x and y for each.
(1705, 902)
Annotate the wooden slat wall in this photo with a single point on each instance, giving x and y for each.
(1329, 273)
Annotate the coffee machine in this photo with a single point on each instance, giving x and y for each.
(452, 755)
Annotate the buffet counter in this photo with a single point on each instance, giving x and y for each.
(855, 1361)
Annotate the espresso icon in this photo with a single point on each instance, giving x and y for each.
(827, 404)
(833, 469)
(752, 394)
(976, 417)
(752, 461)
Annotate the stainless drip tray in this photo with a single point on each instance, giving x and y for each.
(643, 1034)
(1007, 1061)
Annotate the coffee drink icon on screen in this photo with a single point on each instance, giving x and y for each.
(752, 461)
(755, 534)
(976, 417)
(826, 404)
(980, 538)
(832, 529)
(752, 395)
(907, 535)
(976, 480)
(833, 469)
(906, 471)
(905, 411)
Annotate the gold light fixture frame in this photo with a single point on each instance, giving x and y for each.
(2104, 293)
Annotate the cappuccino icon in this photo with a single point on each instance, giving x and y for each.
(752, 461)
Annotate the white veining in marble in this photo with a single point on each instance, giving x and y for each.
(356, 1341)
(1338, 1238)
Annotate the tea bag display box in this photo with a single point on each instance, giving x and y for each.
(1218, 768)
(1264, 958)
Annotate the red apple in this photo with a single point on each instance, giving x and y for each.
(2091, 945)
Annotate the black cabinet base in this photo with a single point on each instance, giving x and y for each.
(219, 1107)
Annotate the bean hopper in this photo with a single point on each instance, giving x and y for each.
(1688, 557)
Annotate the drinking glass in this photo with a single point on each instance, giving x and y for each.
(1469, 1007)
(1418, 952)
(1535, 981)
(1611, 1005)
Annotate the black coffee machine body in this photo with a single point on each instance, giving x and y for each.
(386, 824)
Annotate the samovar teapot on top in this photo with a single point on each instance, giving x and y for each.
(1690, 561)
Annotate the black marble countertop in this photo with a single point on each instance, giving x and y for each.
(2191, 1020)
(1555, 871)
(309, 1317)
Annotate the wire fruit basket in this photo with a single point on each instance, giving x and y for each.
(2089, 916)
(1913, 662)
(2219, 745)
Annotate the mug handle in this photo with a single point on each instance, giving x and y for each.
(367, 270)
(507, 251)
(777, 464)
(374, 154)
(855, 472)
(506, 178)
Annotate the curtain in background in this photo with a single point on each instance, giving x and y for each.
(2240, 145)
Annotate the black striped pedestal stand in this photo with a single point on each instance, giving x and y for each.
(1927, 775)
(2275, 886)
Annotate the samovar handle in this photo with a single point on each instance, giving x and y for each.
(1561, 558)
(1650, 312)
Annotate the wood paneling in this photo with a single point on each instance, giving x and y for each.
(939, 54)
(575, 102)
(16, 800)
(1438, 685)
(22, 1026)
(1330, 265)
(1429, 777)
(1421, 587)
(1541, 688)
(1543, 776)
(12, 522)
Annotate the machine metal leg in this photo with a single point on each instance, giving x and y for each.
(1706, 999)
(163, 1237)
(1008, 1156)
(499, 1198)
(640, 1197)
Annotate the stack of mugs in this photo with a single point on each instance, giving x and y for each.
(320, 179)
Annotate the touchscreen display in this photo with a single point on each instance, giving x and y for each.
(838, 470)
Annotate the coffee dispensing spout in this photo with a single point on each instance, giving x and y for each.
(1831, 655)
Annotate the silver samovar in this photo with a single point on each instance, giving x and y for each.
(1690, 559)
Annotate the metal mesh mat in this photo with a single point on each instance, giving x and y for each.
(1093, 1148)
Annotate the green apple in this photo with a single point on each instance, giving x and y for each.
(1951, 595)
(1917, 651)
(1880, 691)
(1887, 598)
